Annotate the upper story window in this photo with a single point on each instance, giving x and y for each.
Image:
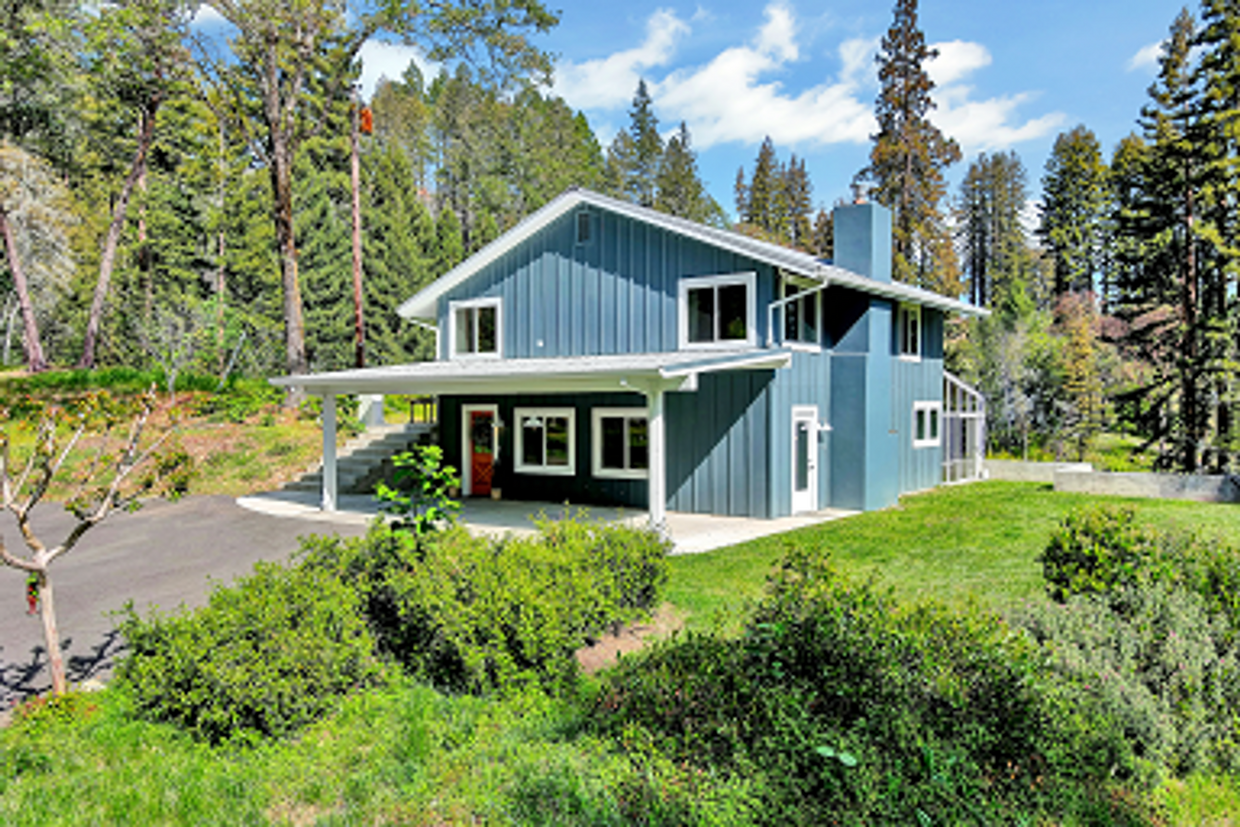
(909, 331)
(476, 328)
(926, 416)
(544, 441)
(718, 311)
(802, 314)
(621, 446)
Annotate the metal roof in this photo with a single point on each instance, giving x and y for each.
(423, 304)
(613, 372)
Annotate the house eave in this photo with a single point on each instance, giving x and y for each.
(423, 305)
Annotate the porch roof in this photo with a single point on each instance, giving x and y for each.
(638, 372)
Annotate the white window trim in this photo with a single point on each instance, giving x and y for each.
(519, 442)
(750, 280)
(798, 344)
(596, 443)
(930, 441)
(454, 306)
(904, 311)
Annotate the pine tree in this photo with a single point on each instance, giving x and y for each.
(799, 200)
(909, 157)
(822, 243)
(678, 188)
(1074, 202)
(997, 258)
(647, 148)
(761, 192)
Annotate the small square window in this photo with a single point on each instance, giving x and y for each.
(475, 328)
(583, 227)
(544, 438)
(718, 311)
(926, 424)
(621, 446)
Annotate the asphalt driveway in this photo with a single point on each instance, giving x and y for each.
(165, 555)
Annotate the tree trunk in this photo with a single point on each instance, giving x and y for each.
(55, 658)
(359, 332)
(35, 362)
(146, 135)
(294, 327)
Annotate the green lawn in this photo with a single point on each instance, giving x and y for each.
(970, 542)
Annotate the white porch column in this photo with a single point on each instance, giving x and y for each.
(658, 456)
(370, 409)
(329, 452)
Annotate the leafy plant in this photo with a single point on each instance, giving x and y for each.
(263, 657)
(420, 499)
(479, 614)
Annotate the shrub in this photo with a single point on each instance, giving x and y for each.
(263, 657)
(479, 614)
(848, 708)
(1150, 670)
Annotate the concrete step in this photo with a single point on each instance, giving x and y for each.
(360, 461)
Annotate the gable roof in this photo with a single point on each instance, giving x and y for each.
(423, 305)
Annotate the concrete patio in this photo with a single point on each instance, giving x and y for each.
(691, 533)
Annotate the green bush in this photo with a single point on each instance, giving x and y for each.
(479, 614)
(1097, 548)
(847, 708)
(1103, 550)
(1150, 672)
(263, 657)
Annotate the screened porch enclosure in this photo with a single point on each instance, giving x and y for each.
(964, 429)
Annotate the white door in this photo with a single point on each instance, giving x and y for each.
(804, 458)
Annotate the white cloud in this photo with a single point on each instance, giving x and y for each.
(957, 58)
(778, 36)
(738, 96)
(206, 15)
(610, 81)
(726, 101)
(389, 60)
(1146, 57)
(979, 125)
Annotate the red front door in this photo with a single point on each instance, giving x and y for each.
(481, 452)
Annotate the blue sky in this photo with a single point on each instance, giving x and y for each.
(1010, 75)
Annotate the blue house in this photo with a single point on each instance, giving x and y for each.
(604, 353)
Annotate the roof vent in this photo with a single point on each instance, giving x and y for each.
(861, 192)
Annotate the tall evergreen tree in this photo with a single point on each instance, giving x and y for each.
(647, 148)
(1074, 204)
(909, 157)
(678, 187)
(995, 247)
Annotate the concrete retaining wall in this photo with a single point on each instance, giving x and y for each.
(1015, 470)
(1212, 489)
(1081, 478)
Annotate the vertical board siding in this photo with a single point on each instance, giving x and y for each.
(582, 487)
(616, 294)
(807, 381)
(717, 445)
(921, 381)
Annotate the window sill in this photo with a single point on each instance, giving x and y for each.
(802, 347)
(926, 444)
(619, 475)
(474, 357)
(909, 357)
(730, 344)
(544, 471)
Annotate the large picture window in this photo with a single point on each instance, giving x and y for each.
(545, 441)
(718, 311)
(476, 328)
(621, 443)
(926, 421)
